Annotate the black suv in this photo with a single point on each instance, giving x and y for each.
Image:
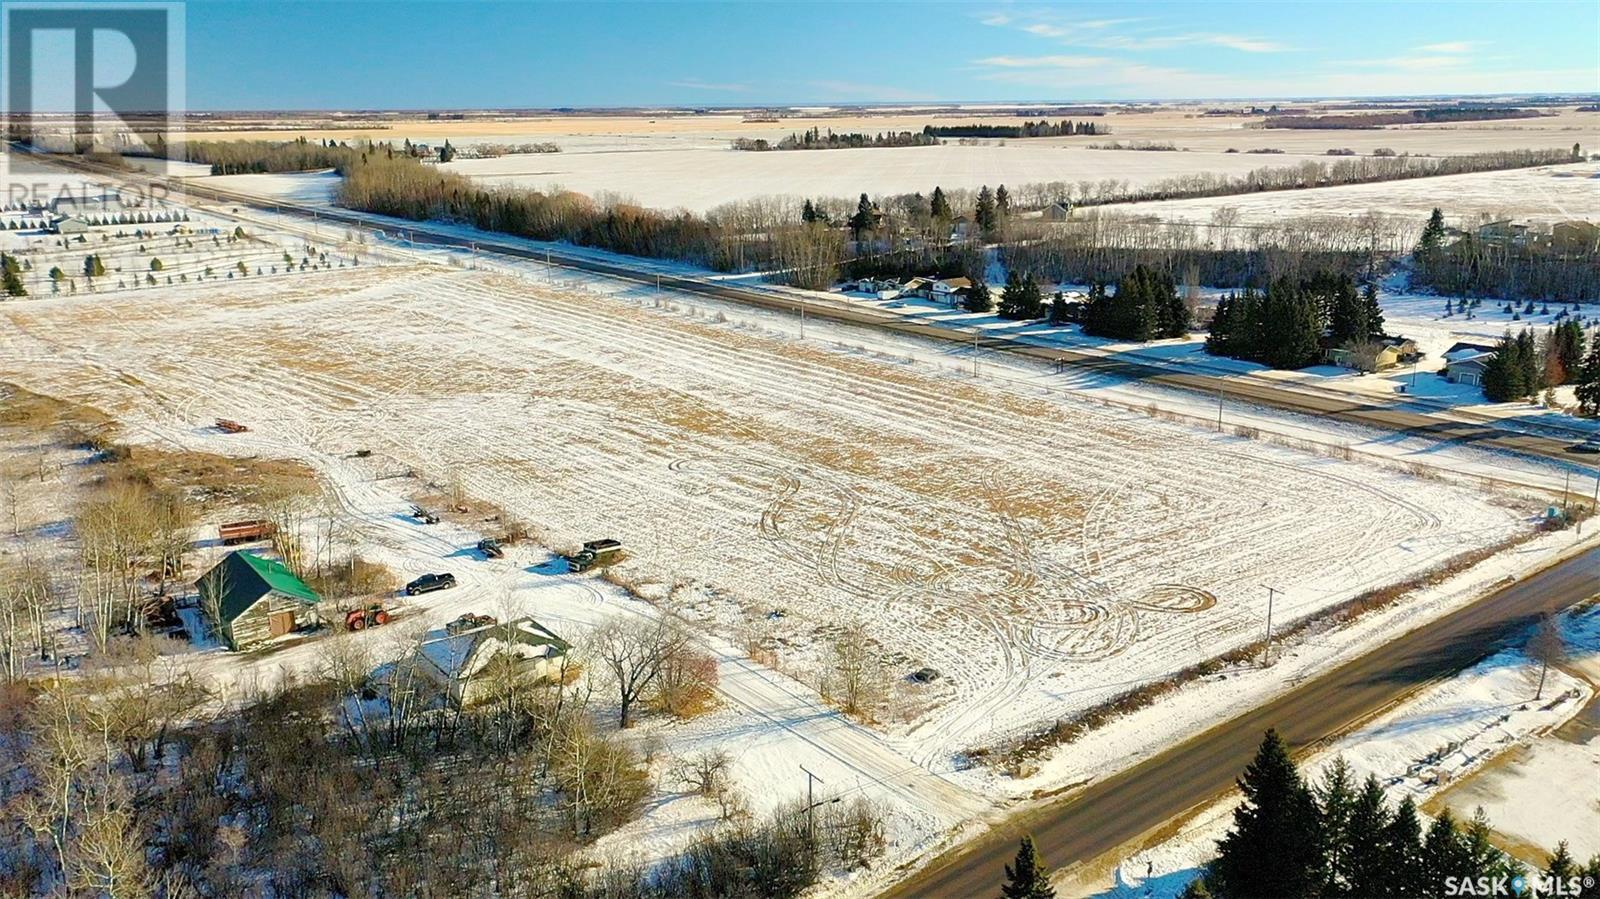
(431, 582)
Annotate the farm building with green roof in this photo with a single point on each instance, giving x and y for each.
(250, 600)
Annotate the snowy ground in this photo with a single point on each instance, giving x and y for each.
(1549, 194)
(1039, 551)
(1443, 734)
(1530, 797)
(853, 474)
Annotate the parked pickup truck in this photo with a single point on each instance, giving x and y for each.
(244, 531)
(595, 554)
(430, 582)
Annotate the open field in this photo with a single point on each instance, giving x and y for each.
(684, 160)
(1551, 194)
(1040, 552)
(699, 179)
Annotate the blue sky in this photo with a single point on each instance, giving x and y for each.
(247, 54)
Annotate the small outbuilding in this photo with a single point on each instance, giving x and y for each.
(1057, 212)
(252, 599)
(462, 664)
(70, 225)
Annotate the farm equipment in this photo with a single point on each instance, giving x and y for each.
(229, 426)
(423, 515)
(595, 554)
(375, 615)
(243, 531)
(490, 548)
(469, 622)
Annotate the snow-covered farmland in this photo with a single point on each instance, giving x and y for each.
(1042, 553)
(699, 179)
(1549, 194)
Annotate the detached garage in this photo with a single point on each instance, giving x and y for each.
(253, 599)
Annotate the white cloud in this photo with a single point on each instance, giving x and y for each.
(1450, 47)
(1032, 62)
(1193, 39)
(696, 84)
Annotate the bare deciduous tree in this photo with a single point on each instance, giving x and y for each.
(1546, 647)
(634, 651)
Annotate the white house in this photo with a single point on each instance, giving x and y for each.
(457, 663)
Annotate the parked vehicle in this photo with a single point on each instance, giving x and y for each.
(490, 548)
(229, 426)
(469, 622)
(430, 582)
(243, 531)
(595, 554)
(375, 615)
(423, 515)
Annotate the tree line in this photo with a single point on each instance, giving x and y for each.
(816, 139)
(1370, 120)
(1284, 325)
(1041, 128)
(1340, 838)
(1529, 264)
(1525, 364)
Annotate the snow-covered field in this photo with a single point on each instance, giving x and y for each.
(1443, 734)
(1550, 194)
(1040, 552)
(699, 179)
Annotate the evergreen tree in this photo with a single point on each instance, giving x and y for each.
(1002, 200)
(1336, 796)
(11, 276)
(865, 219)
(1363, 870)
(1023, 299)
(985, 215)
(1503, 378)
(1402, 850)
(57, 275)
(1561, 866)
(1588, 380)
(1444, 853)
(1058, 309)
(808, 213)
(1528, 358)
(1431, 243)
(1027, 877)
(978, 298)
(938, 205)
(1274, 848)
(447, 152)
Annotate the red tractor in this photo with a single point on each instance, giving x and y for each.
(375, 615)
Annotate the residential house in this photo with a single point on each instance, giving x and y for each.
(1464, 363)
(459, 664)
(1504, 231)
(1380, 355)
(250, 600)
(1057, 212)
(1575, 237)
(883, 289)
(946, 290)
(70, 224)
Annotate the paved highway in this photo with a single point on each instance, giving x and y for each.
(1110, 813)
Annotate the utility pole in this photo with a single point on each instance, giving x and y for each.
(802, 317)
(811, 826)
(1219, 408)
(1266, 654)
(974, 352)
(1566, 492)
